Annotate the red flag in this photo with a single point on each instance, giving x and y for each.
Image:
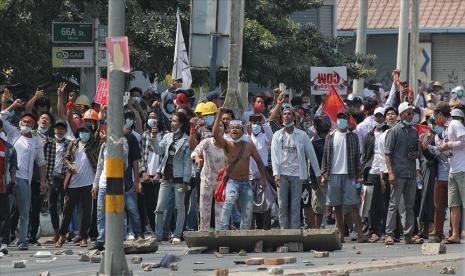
(333, 104)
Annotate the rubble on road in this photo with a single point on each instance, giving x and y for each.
(447, 270)
(275, 271)
(254, 261)
(433, 249)
(19, 264)
(84, 258)
(221, 272)
(242, 253)
(45, 273)
(42, 254)
(282, 249)
(196, 250)
(136, 260)
(95, 259)
(66, 252)
(218, 255)
(140, 246)
(223, 250)
(320, 254)
(174, 267)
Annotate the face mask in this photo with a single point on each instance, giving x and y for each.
(342, 123)
(407, 123)
(25, 129)
(129, 123)
(152, 123)
(84, 136)
(380, 125)
(460, 94)
(430, 105)
(42, 130)
(416, 119)
(256, 129)
(259, 107)
(438, 129)
(453, 95)
(291, 124)
(135, 99)
(235, 141)
(305, 105)
(170, 108)
(209, 120)
(59, 137)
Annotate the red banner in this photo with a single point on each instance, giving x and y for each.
(101, 96)
(118, 53)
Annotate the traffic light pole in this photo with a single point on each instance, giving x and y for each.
(114, 260)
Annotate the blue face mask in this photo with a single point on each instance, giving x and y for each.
(209, 120)
(42, 130)
(129, 123)
(438, 129)
(380, 125)
(342, 123)
(152, 122)
(170, 108)
(256, 129)
(411, 123)
(84, 136)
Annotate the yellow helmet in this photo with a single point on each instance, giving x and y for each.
(82, 100)
(209, 108)
(200, 108)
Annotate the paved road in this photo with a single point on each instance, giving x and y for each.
(369, 254)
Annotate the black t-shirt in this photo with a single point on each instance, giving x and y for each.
(134, 150)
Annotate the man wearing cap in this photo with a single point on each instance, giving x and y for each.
(81, 162)
(56, 194)
(401, 153)
(454, 143)
(341, 169)
(291, 154)
(372, 161)
(215, 97)
(31, 150)
(238, 188)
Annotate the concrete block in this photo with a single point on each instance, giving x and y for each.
(223, 250)
(295, 246)
(433, 249)
(95, 259)
(45, 273)
(147, 268)
(273, 261)
(258, 246)
(221, 272)
(275, 271)
(290, 260)
(282, 249)
(136, 260)
(254, 261)
(19, 264)
(141, 246)
(320, 254)
(242, 253)
(196, 250)
(84, 258)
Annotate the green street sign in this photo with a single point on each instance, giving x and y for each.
(72, 32)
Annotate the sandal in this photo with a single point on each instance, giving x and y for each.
(374, 238)
(389, 240)
(413, 240)
(451, 241)
(61, 241)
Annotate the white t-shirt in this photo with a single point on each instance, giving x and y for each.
(85, 174)
(103, 176)
(382, 141)
(290, 163)
(153, 160)
(59, 157)
(378, 157)
(339, 163)
(456, 131)
(24, 147)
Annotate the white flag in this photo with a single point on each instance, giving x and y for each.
(181, 66)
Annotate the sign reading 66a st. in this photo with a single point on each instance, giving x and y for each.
(72, 32)
(72, 57)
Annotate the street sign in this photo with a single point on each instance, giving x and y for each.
(72, 57)
(72, 32)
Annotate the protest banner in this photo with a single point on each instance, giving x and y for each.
(118, 53)
(101, 96)
(322, 78)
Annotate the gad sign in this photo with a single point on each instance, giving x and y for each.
(72, 57)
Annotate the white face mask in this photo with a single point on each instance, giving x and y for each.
(42, 130)
(235, 141)
(59, 137)
(25, 129)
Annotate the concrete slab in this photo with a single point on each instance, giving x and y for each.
(312, 239)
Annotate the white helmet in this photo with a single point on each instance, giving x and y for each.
(457, 89)
(457, 113)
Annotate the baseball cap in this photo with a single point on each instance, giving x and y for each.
(213, 95)
(61, 124)
(404, 107)
(379, 110)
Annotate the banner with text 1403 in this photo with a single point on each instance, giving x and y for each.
(322, 78)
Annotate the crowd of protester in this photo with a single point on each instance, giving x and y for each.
(387, 167)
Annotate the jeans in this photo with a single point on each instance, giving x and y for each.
(23, 203)
(163, 199)
(101, 214)
(130, 206)
(377, 205)
(4, 218)
(406, 187)
(34, 215)
(293, 185)
(55, 199)
(242, 191)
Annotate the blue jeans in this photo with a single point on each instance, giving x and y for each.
(293, 185)
(130, 205)
(163, 199)
(23, 203)
(242, 191)
(101, 216)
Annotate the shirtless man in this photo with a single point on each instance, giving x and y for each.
(238, 186)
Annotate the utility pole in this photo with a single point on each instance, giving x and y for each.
(114, 260)
(233, 98)
(414, 39)
(402, 40)
(361, 42)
